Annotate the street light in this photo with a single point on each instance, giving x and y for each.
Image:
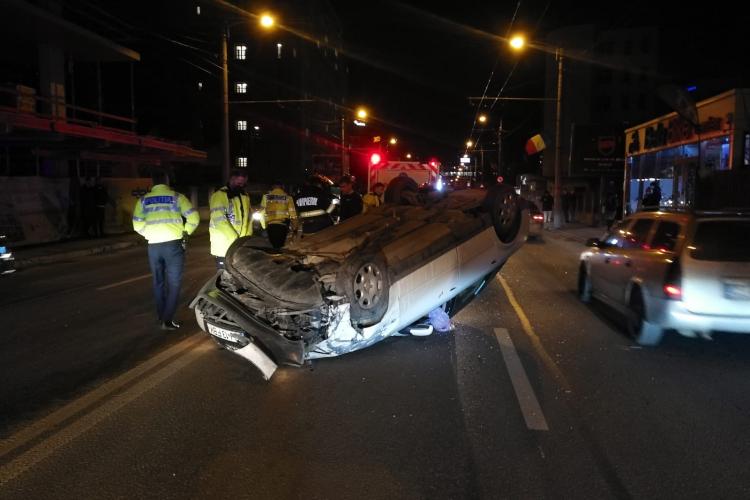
(266, 21)
(408, 156)
(482, 119)
(362, 114)
(469, 144)
(517, 43)
(393, 141)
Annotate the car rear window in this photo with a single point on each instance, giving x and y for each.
(722, 240)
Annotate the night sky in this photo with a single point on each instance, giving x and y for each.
(414, 63)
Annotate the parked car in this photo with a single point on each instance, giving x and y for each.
(372, 276)
(536, 221)
(688, 272)
(7, 262)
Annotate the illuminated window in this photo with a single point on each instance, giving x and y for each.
(200, 85)
(241, 124)
(278, 50)
(242, 161)
(198, 10)
(240, 52)
(240, 87)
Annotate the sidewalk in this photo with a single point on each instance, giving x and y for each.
(59, 251)
(575, 232)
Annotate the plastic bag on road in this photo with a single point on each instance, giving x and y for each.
(440, 320)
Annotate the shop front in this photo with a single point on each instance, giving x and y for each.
(672, 164)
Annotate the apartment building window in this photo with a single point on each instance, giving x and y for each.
(240, 87)
(200, 85)
(241, 124)
(240, 52)
(198, 10)
(242, 161)
(278, 50)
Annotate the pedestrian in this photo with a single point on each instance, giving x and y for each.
(548, 203)
(374, 198)
(88, 208)
(351, 201)
(158, 217)
(230, 215)
(314, 205)
(565, 198)
(277, 210)
(610, 209)
(101, 198)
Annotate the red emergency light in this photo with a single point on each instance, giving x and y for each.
(375, 159)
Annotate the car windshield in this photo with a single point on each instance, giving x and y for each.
(722, 240)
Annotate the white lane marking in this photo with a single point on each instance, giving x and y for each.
(124, 282)
(530, 408)
(78, 427)
(46, 424)
(535, 341)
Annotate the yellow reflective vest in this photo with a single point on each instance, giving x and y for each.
(370, 200)
(229, 220)
(277, 207)
(157, 216)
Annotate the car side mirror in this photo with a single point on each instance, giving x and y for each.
(593, 242)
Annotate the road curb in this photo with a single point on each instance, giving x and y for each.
(23, 263)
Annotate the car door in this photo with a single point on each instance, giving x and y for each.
(661, 249)
(601, 256)
(624, 259)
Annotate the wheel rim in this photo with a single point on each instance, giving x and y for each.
(507, 211)
(368, 286)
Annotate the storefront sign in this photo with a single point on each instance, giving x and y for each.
(597, 150)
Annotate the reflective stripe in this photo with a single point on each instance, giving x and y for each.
(218, 219)
(188, 212)
(163, 221)
(138, 219)
(222, 209)
(149, 210)
(312, 213)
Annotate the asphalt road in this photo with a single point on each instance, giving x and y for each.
(534, 395)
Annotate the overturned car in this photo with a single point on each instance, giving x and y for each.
(375, 275)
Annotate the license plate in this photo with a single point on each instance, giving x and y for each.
(737, 289)
(221, 333)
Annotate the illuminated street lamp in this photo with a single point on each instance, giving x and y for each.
(517, 43)
(408, 156)
(362, 114)
(267, 21)
(469, 144)
(482, 119)
(393, 141)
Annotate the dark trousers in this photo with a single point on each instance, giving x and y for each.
(277, 234)
(167, 261)
(99, 222)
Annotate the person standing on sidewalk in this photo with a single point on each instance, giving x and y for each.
(277, 213)
(231, 215)
(158, 217)
(548, 203)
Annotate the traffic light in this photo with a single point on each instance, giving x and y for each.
(375, 159)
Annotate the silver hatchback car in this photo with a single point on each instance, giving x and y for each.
(688, 272)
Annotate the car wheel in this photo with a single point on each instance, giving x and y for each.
(401, 190)
(366, 282)
(643, 331)
(584, 285)
(505, 209)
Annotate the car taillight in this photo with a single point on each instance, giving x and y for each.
(673, 281)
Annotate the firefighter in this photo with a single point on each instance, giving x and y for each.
(158, 217)
(315, 205)
(375, 198)
(231, 215)
(277, 212)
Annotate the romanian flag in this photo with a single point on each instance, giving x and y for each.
(535, 145)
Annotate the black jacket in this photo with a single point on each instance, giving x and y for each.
(548, 202)
(351, 205)
(310, 198)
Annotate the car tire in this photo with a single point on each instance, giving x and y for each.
(367, 283)
(504, 206)
(584, 285)
(643, 331)
(401, 190)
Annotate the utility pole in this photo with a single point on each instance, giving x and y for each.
(344, 162)
(225, 160)
(557, 208)
(500, 148)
